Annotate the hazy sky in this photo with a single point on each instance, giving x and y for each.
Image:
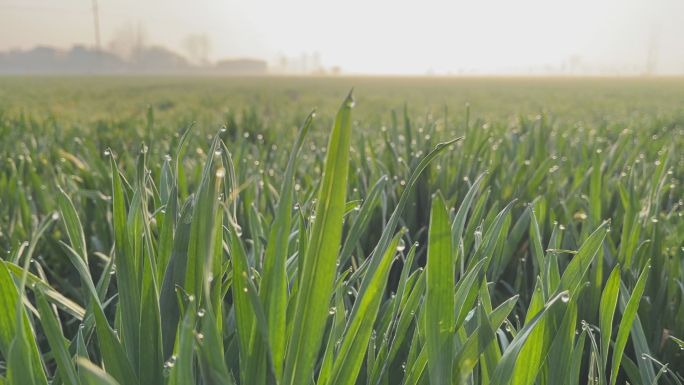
(381, 36)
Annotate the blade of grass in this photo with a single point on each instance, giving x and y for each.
(54, 334)
(113, 354)
(316, 278)
(580, 263)
(360, 325)
(439, 297)
(127, 277)
(17, 340)
(609, 300)
(625, 326)
(273, 291)
(504, 370)
(72, 224)
(93, 375)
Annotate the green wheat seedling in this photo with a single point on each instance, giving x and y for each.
(350, 263)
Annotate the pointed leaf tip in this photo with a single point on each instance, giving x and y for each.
(349, 101)
(449, 142)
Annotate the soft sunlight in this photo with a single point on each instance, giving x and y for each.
(379, 37)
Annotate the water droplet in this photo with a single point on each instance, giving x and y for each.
(170, 363)
(107, 152)
(401, 245)
(585, 325)
(167, 158)
(332, 310)
(55, 216)
(245, 290)
(565, 297)
(200, 313)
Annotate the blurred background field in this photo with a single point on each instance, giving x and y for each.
(82, 99)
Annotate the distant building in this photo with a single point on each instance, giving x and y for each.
(242, 67)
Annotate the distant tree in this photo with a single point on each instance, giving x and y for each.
(129, 41)
(197, 47)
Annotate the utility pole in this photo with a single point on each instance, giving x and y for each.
(96, 22)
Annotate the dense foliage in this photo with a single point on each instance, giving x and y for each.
(538, 242)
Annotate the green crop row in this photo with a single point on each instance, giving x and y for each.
(533, 252)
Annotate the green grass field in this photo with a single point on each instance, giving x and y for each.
(436, 231)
